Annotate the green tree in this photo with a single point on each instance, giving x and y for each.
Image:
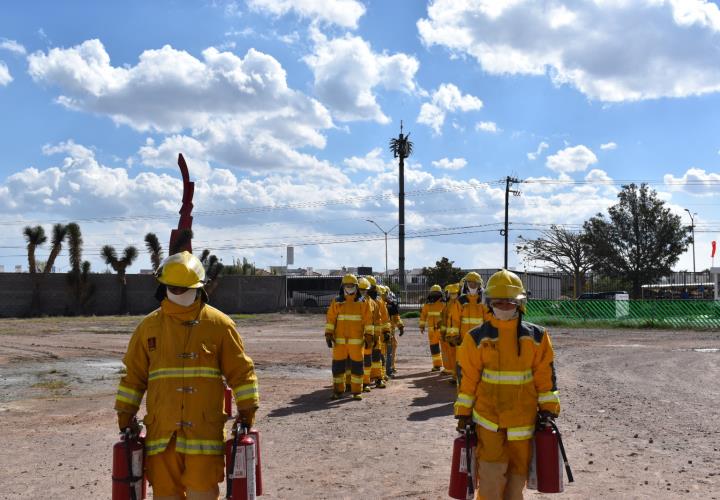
(640, 240)
(58, 236)
(443, 273)
(565, 250)
(155, 249)
(120, 266)
(35, 236)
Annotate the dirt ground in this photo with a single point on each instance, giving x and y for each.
(640, 413)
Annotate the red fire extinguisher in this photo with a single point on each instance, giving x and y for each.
(128, 467)
(462, 473)
(242, 458)
(228, 402)
(549, 457)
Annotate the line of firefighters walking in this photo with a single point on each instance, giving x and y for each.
(502, 365)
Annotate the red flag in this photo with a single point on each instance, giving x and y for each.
(714, 247)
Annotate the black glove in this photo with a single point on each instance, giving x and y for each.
(386, 337)
(463, 422)
(128, 422)
(401, 329)
(546, 415)
(329, 339)
(369, 340)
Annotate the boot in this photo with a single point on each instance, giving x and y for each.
(514, 487)
(357, 397)
(336, 395)
(380, 384)
(491, 480)
(366, 388)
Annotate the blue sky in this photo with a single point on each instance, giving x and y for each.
(278, 103)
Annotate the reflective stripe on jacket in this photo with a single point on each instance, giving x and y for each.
(430, 314)
(349, 317)
(472, 313)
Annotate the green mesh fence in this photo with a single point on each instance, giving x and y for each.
(703, 314)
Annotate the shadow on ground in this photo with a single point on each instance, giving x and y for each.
(315, 401)
(439, 396)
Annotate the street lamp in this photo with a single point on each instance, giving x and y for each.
(692, 225)
(385, 233)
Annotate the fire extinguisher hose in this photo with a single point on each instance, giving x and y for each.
(131, 479)
(231, 470)
(468, 461)
(562, 451)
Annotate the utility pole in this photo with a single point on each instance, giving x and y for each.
(401, 149)
(509, 181)
(692, 226)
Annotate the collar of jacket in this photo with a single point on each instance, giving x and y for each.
(181, 313)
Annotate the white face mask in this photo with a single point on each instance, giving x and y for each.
(185, 299)
(453, 296)
(349, 290)
(472, 291)
(505, 314)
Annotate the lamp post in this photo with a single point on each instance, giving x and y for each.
(385, 233)
(692, 226)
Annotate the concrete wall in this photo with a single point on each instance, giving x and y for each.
(234, 294)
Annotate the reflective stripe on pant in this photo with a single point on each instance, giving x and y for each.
(344, 354)
(448, 357)
(434, 339)
(367, 364)
(377, 369)
(391, 354)
(172, 474)
(498, 460)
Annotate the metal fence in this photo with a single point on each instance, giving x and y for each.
(703, 314)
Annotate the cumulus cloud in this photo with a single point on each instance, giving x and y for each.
(240, 108)
(490, 127)
(541, 147)
(5, 77)
(608, 146)
(371, 162)
(609, 50)
(447, 164)
(446, 99)
(12, 46)
(344, 13)
(571, 159)
(347, 72)
(694, 181)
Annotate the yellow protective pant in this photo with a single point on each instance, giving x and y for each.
(377, 368)
(502, 465)
(173, 475)
(367, 364)
(391, 354)
(345, 355)
(434, 339)
(448, 358)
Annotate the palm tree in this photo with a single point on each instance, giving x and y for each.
(401, 148)
(59, 233)
(35, 236)
(120, 265)
(153, 246)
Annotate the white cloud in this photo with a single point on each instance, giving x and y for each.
(541, 147)
(446, 99)
(5, 77)
(610, 50)
(694, 181)
(347, 72)
(447, 164)
(371, 162)
(12, 46)
(608, 146)
(571, 159)
(240, 108)
(344, 13)
(490, 127)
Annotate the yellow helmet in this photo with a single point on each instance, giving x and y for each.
(349, 279)
(181, 269)
(474, 277)
(435, 288)
(363, 284)
(506, 285)
(372, 280)
(453, 288)
(382, 289)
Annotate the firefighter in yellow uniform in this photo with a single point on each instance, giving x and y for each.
(451, 330)
(506, 379)
(378, 372)
(364, 286)
(348, 329)
(430, 318)
(179, 354)
(473, 311)
(395, 323)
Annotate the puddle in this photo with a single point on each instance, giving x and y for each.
(700, 349)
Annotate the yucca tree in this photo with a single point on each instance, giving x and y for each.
(213, 268)
(35, 236)
(75, 242)
(152, 243)
(58, 236)
(120, 265)
(78, 276)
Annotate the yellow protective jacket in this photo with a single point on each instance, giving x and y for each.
(500, 389)
(473, 313)
(430, 315)
(348, 319)
(451, 318)
(384, 316)
(179, 355)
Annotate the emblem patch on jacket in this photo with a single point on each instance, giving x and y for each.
(151, 344)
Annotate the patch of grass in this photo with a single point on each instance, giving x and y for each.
(410, 314)
(52, 385)
(243, 316)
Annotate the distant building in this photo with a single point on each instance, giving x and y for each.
(18, 269)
